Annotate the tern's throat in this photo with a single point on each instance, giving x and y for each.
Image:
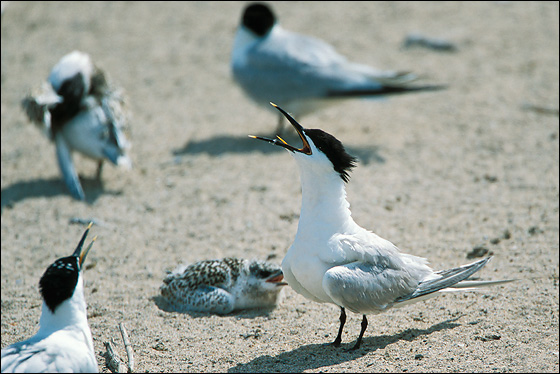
(324, 207)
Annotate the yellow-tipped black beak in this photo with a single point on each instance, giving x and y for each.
(306, 149)
(81, 254)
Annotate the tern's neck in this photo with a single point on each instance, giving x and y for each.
(324, 207)
(243, 40)
(71, 312)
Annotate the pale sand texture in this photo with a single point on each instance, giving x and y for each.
(440, 173)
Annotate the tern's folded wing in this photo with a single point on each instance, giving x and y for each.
(367, 288)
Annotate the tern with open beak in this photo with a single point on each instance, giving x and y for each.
(64, 342)
(334, 260)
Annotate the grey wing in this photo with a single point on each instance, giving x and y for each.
(446, 278)
(66, 165)
(20, 358)
(117, 144)
(38, 113)
(365, 287)
(35, 356)
(37, 107)
(295, 67)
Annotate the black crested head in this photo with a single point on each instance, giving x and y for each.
(334, 150)
(258, 17)
(59, 281)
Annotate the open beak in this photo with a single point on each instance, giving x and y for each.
(277, 278)
(305, 148)
(81, 254)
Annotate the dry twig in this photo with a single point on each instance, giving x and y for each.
(114, 361)
(128, 347)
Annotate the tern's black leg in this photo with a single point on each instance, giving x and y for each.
(364, 327)
(99, 168)
(338, 339)
(280, 126)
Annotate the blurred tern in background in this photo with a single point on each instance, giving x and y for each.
(79, 111)
(334, 260)
(301, 73)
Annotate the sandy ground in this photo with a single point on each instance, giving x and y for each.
(440, 174)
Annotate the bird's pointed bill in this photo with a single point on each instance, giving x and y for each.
(305, 148)
(81, 254)
(86, 251)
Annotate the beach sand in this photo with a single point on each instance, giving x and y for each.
(445, 175)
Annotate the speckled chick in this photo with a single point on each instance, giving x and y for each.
(222, 286)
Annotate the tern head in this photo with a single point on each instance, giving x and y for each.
(71, 80)
(320, 150)
(71, 76)
(258, 18)
(59, 281)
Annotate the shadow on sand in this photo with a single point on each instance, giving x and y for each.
(314, 356)
(19, 191)
(223, 144)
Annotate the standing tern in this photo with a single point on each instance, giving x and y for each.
(79, 111)
(334, 260)
(302, 73)
(64, 342)
(222, 286)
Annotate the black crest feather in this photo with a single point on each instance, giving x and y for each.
(59, 281)
(334, 150)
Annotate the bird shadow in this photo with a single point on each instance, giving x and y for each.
(314, 356)
(163, 305)
(19, 191)
(224, 144)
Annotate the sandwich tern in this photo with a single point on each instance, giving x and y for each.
(334, 260)
(64, 342)
(79, 111)
(301, 73)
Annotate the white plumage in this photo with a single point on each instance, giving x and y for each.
(334, 260)
(64, 342)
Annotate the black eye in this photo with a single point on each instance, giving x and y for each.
(260, 271)
(264, 274)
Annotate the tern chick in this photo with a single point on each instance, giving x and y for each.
(222, 286)
(64, 342)
(79, 111)
(334, 260)
(301, 73)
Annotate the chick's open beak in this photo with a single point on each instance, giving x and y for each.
(277, 278)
